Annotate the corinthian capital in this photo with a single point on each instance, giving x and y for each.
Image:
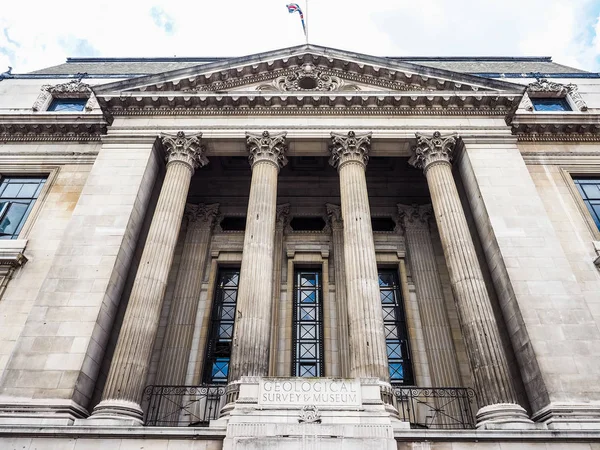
(414, 216)
(203, 215)
(267, 147)
(350, 147)
(282, 216)
(185, 149)
(334, 216)
(434, 149)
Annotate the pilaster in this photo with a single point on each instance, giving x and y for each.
(54, 367)
(282, 219)
(334, 215)
(546, 314)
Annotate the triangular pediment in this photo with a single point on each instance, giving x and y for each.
(313, 79)
(303, 70)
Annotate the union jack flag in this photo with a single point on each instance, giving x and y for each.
(294, 7)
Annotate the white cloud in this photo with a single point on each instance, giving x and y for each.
(36, 33)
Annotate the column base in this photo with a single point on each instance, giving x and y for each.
(52, 412)
(115, 413)
(505, 416)
(570, 416)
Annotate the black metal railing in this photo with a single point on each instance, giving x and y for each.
(436, 408)
(183, 406)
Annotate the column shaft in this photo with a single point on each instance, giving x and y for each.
(480, 331)
(368, 356)
(127, 375)
(430, 297)
(484, 347)
(175, 353)
(250, 352)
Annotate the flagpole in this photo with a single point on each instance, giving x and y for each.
(306, 22)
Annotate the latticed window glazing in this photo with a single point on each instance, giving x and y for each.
(394, 322)
(218, 352)
(307, 349)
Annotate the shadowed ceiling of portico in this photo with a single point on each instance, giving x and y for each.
(307, 183)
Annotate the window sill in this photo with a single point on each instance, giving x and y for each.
(11, 253)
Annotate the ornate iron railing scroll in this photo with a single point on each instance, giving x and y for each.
(183, 406)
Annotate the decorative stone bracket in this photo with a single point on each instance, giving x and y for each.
(597, 260)
(11, 258)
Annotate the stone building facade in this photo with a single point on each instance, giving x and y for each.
(304, 248)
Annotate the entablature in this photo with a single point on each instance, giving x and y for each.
(314, 103)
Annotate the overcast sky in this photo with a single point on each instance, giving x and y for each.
(36, 33)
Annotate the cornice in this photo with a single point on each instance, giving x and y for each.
(320, 103)
(556, 127)
(52, 127)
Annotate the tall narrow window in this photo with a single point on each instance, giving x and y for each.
(394, 322)
(589, 188)
(307, 349)
(218, 351)
(17, 196)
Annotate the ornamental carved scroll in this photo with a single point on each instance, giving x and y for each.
(309, 414)
(71, 89)
(544, 88)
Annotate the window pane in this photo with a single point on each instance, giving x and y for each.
(68, 104)
(550, 104)
(13, 217)
(307, 346)
(589, 188)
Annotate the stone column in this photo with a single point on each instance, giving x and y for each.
(334, 214)
(281, 221)
(368, 356)
(488, 362)
(441, 354)
(250, 353)
(175, 353)
(127, 375)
